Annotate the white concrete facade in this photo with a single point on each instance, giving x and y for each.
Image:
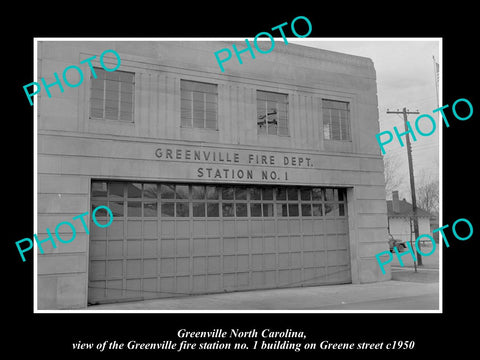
(73, 149)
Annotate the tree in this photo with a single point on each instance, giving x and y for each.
(427, 190)
(393, 181)
(428, 196)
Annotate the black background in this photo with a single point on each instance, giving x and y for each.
(53, 334)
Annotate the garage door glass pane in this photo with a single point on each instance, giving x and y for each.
(267, 194)
(317, 209)
(292, 209)
(96, 203)
(267, 210)
(116, 207)
(99, 188)
(282, 210)
(256, 210)
(240, 194)
(198, 192)
(134, 208)
(182, 210)
(317, 194)
(167, 209)
(150, 209)
(212, 210)
(199, 209)
(305, 194)
(150, 191)
(227, 193)
(306, 210)
(331, 209)
(181, 191)
(115, 190)
(134, 190)
(255, 194)
(212, 193)
(330, 194)
(167, 191)
(292, 194)
(241, 210)
(227, 210)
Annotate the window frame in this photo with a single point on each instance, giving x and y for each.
(104, 97)
(270, 97)
(192, 109)
(148, 201)
(346, 121)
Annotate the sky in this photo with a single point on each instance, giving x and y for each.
(405, 78)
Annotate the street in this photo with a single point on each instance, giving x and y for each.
(420, 302)
(387, 295)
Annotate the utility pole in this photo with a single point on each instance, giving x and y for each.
(411, 244)
(405, 112)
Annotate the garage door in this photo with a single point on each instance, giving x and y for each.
(181, 239)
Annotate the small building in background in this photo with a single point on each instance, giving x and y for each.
(399, 214)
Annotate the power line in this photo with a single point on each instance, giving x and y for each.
(405, 113)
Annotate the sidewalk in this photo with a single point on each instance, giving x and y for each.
(422, 275)
(428, 272)
(303, 298)
(429, 262)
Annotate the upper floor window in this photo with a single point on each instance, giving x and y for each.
(198, 104)
(272, 113)
(111, 95)
(336, 120)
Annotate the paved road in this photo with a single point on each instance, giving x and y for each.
(422, 275)
(423, 302)
(388, 295)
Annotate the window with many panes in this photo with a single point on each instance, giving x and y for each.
(336, 120)
(112, 95)
(323, 202)
(166, 200)
(198, 106)
(272, 113)
(205, 201)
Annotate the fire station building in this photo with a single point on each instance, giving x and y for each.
(267, 175)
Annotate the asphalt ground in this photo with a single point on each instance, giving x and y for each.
(386, 295)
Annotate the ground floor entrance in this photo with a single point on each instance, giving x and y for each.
(178, 239)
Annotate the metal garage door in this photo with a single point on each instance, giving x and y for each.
(181, 239)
